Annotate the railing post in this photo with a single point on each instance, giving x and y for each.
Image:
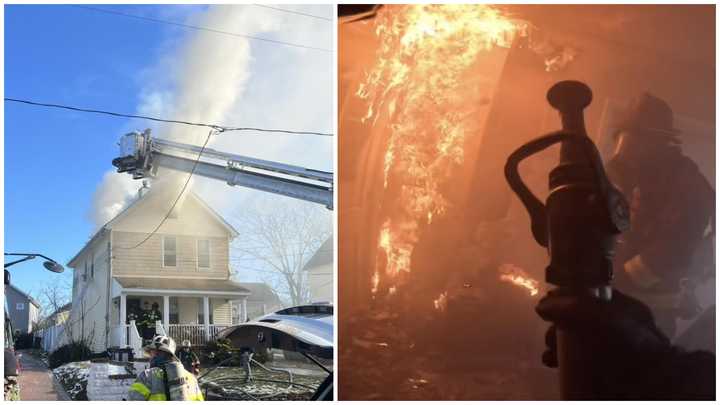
(123, 309)
(206, 317)
(244, 310)
(160, 329)
(166, 312)
(126, 330)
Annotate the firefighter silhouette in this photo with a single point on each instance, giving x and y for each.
(672, 213)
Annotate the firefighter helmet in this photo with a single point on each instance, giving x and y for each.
(162, 343)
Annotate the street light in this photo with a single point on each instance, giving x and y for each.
(49, 263)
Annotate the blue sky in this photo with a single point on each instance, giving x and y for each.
(54, 159)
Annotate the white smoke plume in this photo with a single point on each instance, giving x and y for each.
(112, 195)
(204, 78)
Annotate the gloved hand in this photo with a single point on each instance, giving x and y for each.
(623, 324)
(632, 359)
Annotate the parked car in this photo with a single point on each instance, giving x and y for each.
(303, 334)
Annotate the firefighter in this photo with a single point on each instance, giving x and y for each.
(150, 317)
(165, 379)
(672, 210)
(189, 359)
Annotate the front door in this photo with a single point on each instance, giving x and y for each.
(133, 307)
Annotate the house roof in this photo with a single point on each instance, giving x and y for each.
(62, 309)
(322, 256)
(195, 284)
(26, 295)
(261, 292)
(126, 211)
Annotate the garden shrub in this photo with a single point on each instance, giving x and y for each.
(69, 353)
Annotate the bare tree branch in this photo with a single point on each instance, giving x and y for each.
(277, 238)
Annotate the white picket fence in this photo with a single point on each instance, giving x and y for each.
(52, 337)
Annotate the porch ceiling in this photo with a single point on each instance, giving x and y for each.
(183, 286)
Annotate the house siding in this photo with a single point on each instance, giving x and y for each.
(19, 318)
(33, 317)
(320, 281)
(221, 310)
(147, 259)
(90, 295)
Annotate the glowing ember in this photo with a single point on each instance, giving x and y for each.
(441, 302)
(425, 91)
(517, 276)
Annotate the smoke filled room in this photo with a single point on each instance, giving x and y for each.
(526, 202)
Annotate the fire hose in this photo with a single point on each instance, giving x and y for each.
(233, 380)
(578, 224)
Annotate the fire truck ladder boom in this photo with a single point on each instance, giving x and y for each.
(142, 155)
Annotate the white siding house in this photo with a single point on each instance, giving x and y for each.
(320, 273)
(182, 267)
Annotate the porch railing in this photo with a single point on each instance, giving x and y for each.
(119, 336)
(134, 339)
(198, 335)
(126, 336)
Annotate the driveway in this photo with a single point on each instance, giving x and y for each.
(36, 380)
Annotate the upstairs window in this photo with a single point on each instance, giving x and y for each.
(20, 306)
(169, 251)
(203, 253)
(92, 268)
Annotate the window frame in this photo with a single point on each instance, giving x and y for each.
(164, 237)
(197, 255)
(19, 306)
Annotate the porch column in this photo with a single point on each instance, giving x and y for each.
(166, 313)
(244, 310)
(206, 316)
(123, 310)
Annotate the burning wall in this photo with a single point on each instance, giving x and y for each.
(442, 102)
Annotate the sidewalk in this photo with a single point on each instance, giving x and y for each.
(36, 380)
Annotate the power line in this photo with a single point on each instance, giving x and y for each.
(293, 12)
(216, 127)
(182, 191)
(199, 28)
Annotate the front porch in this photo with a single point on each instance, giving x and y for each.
(186, 309)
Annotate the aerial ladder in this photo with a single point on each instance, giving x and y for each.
(142, 155)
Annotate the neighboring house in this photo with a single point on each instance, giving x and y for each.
(262, 301)
(52, 329)
(183, 267)
(58, 317)
(22, 309)
(320, 273)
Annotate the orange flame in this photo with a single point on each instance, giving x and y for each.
(517, 276)
(440, 303)
(422, 88)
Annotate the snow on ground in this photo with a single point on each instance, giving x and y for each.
(73, 377)
(229, 382)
